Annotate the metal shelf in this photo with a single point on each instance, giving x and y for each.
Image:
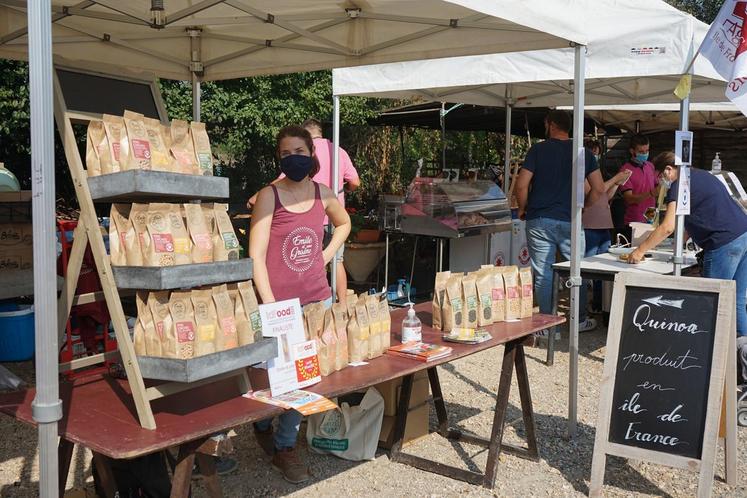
(209, 365)
(182, 276)
(156, 186)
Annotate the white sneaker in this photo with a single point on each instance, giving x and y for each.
(587, 325)
(545, 334)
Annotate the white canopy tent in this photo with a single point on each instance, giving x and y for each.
(208, 39)
(631, 60)
(652, 118)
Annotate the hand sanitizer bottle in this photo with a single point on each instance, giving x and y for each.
(411, 327)
(716, 164)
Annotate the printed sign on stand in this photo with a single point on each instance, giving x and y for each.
(671, 356)
(683, 192)
(297, 364)
(683, 147)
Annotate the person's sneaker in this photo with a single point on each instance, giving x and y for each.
(223, 466)
(287, 462)
(545, 334)
(587, 325)
(265, 440)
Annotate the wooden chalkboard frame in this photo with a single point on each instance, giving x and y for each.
(722, 385)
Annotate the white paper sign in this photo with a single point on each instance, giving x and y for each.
(683, 147)
(283, 320)
(683, 193)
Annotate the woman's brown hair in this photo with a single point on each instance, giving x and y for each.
(296, 131)
(663, 160)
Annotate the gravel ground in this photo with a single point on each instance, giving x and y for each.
(469, 385)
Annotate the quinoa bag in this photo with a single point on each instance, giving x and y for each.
(182, 148)
(358, 334)
(119, 224)
(249, 323)
(160, 248)
(136, 237)
(182, 315)
(340, 318)
(471, 305)
(227, 337)
(326, 345)
(116, 136)
(485, 297)
(139, 153)
(374, 326)
(160, 157)
(182, 242)
(138, 335)
(208, 211)
(313, 320)
(498, 294)
(513, 292)
(202, 248)
(225, 242)
(206, 320)
(527, 294)
(453, 307)
(386, 324)
(202, 148)
(438, 295)
(158, 302)
(98, 158)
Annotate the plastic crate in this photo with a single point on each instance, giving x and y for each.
(17, 334)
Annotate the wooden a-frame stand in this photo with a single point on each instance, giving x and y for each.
(88, 232)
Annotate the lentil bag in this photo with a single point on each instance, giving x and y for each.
(374, 326)
(249, 323)
(471, 305)
(340, 318)
(158, 302)
(116, 136)
(182, 315)
(119, 224)
(136, 237)
(485, 297)
(139, 152)
(160, 248)
(386, 323)
(438, 296)
(225, 242)
(183, 149)
(206, 320)
(160, 157)
(452, 311)
(98, 158)
(202, 248)
(358, 332)
(202, 148)
(227, 337)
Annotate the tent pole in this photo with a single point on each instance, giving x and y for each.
(577, 203)
(507, 153)
(46, 407)
(196, 98)
(679, 233)
(443, 135)
(335, 178)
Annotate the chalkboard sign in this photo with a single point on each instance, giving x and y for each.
(663, 370)
(664, 374)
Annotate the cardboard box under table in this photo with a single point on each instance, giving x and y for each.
(99, 411)
(418, 411)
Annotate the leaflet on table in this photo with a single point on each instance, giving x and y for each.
(305, 402)
(297, 364)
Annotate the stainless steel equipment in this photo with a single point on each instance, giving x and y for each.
(454, 209)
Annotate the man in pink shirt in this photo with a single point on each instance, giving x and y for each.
(639, 192)
(347, 178)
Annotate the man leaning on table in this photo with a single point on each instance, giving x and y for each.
(543, 191)
(715, 223)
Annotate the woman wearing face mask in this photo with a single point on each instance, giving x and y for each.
(716, 223)
(285, 245)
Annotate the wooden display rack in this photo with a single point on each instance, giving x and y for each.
(88, 231)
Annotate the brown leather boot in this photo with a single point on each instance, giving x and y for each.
(290, 465)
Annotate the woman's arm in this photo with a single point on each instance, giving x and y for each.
(259, 238)
(339, 219)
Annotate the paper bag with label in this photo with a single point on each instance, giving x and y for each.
(225, 242)
(119, 224)
(249, 323)
(202, 248)
(438, 295)
(160, 248)
(139, 151)
(158, 302)
(116, 136)
(182, 315)
(136, 237)
(340, 317)
(227, 336)
(206, 320)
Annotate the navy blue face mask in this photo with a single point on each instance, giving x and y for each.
(296, 167)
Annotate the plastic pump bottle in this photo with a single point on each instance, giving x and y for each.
(411, 327)
(716, 164)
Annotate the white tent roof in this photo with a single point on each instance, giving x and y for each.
(636, 53)
(653, 118)
(250, 37)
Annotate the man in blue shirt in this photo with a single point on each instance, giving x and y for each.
(548, 170)
(716, 223)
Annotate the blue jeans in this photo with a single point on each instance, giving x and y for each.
(597, 242)
(545, 237)
(287, 431)
(729, 262)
